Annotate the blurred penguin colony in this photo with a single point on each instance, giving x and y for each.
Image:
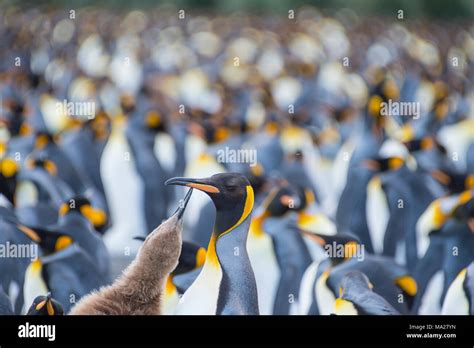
(329, 160)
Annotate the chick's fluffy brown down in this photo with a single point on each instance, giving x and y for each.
(139, 289)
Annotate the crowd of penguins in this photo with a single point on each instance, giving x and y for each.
(342, 209)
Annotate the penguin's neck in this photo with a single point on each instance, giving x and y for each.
(238, 290)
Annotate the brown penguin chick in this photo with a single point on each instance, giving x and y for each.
(139, 289)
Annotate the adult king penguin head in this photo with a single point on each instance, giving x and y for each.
(45, 305)
(226, 284)
(231, 194)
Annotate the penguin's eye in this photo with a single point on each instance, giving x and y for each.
(231, 188)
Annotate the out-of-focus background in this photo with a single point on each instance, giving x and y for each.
(102, 101)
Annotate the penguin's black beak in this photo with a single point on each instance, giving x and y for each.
(204, 185)
(183, 203)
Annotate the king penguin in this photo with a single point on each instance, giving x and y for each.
(357, 298)
(45, 305)
(459, 299)
(226, 284)
(280, 266)
(125, 201)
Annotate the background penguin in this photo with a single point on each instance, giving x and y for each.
(459, 299)
(46, 144)
(288, 250)
(125, 201)
(69, 273)
(263, 258)
(307, 295)
(357, 298)
(449, 250)
(139, 289)
(38, 183)
(78, 144)
(141, 133)
(13, 269)
(396, 198)
(390, 280)
(200, 163)
(226, 284)
(8, 180)
(45, 305)
(76, 219)
(351, 211)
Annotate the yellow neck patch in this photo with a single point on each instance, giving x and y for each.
(62, 242)
(96, 216)
(170, 288)
(407, 284)
(8, 167)
(344, 307)
(374, 105)
(469, 184)
(153, 119)
(211, 255)
(310, 199)
(63, 209)
(200, 257)
(395, 163)
(305, 219)
(256, 226)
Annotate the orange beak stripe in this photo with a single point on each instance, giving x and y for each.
(40, 305)
(203, 187)
(30, 233)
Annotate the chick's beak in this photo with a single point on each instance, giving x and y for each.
(183, 203)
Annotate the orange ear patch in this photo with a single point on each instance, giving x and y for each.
(40, 305)
(287, 200)
(49, 307)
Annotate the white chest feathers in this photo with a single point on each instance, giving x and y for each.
(456, 302)
(324, 296)
(124, 190)
(266, 270)
(202, 296)
(377, 213)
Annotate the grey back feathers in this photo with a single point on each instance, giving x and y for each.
(5, 304)
(356, 289)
